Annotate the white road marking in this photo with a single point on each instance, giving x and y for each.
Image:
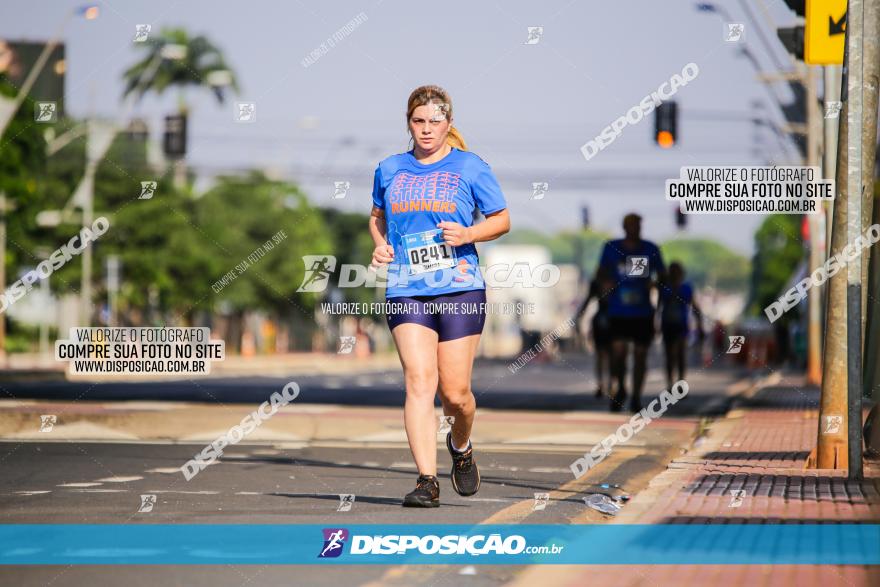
(76, 431)
(78, 485)
(549, 470)
(119, 479)
(179, 491)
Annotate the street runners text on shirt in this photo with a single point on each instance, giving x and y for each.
(429, 308)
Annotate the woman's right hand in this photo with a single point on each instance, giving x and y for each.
(382, 255)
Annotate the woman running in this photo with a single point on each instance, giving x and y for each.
(422, 224)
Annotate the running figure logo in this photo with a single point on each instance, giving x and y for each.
(541, 500)
(318, 271)
(346, 500)
(147, 503)
(346, 345)
(735, 32)
(638, 266)
(440, 111)
(245, 111)
(736, 344)
(736, 498)
(832, 425)
(141, 32)
(832, 109)
(539, 189)
(148, 190)
(334, 541)
(47, 422)
(535, 34)
(45, 112)
(446, 423)
(340, 189)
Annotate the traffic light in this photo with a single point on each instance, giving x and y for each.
(793, 40)
(793, 37)
(799, 6)
(174, 144)
(666, 124)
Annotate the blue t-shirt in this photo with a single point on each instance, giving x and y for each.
(631, 271)
(675, 304)
(415, 198)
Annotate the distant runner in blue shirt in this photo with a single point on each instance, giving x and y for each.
(676, 302)
(631, 266)
(422, 224)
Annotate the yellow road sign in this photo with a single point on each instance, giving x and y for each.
(824, 32)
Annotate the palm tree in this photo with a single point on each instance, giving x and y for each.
(203, 65)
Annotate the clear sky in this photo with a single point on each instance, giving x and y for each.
(525, 108)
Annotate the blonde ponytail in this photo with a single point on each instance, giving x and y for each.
(455, 139)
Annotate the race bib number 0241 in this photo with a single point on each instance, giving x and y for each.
(426, 251)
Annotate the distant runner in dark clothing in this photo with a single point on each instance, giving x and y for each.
(676, 302)
(600, 329)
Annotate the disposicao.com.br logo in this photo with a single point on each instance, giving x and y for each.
(334, 540)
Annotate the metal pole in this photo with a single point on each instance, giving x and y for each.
(854, 88)
(871, 215)
(817, 251)
(831, 91)
(831, 448)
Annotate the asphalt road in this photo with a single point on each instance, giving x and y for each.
(546, 412)
(556, 387)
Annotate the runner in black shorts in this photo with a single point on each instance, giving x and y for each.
(628, 265)
(422, 225)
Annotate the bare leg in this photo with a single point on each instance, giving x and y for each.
(618, 371)
(417, 348)
(455, 361)
(640, 356)
(681, 358)
(601, 368)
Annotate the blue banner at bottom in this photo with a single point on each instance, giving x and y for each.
(509, 544)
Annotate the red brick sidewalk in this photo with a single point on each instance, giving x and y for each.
(758, 449)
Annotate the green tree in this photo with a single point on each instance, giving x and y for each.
(564, 247)
(351, 244)
(238, 216)
(156, 74)
(778, 251)
(708, 263)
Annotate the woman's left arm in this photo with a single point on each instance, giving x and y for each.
(495, 225)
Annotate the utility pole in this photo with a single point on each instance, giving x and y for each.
(817, 248)
(840, 411)
(871, 264)
(831, 83)
(855, 189)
